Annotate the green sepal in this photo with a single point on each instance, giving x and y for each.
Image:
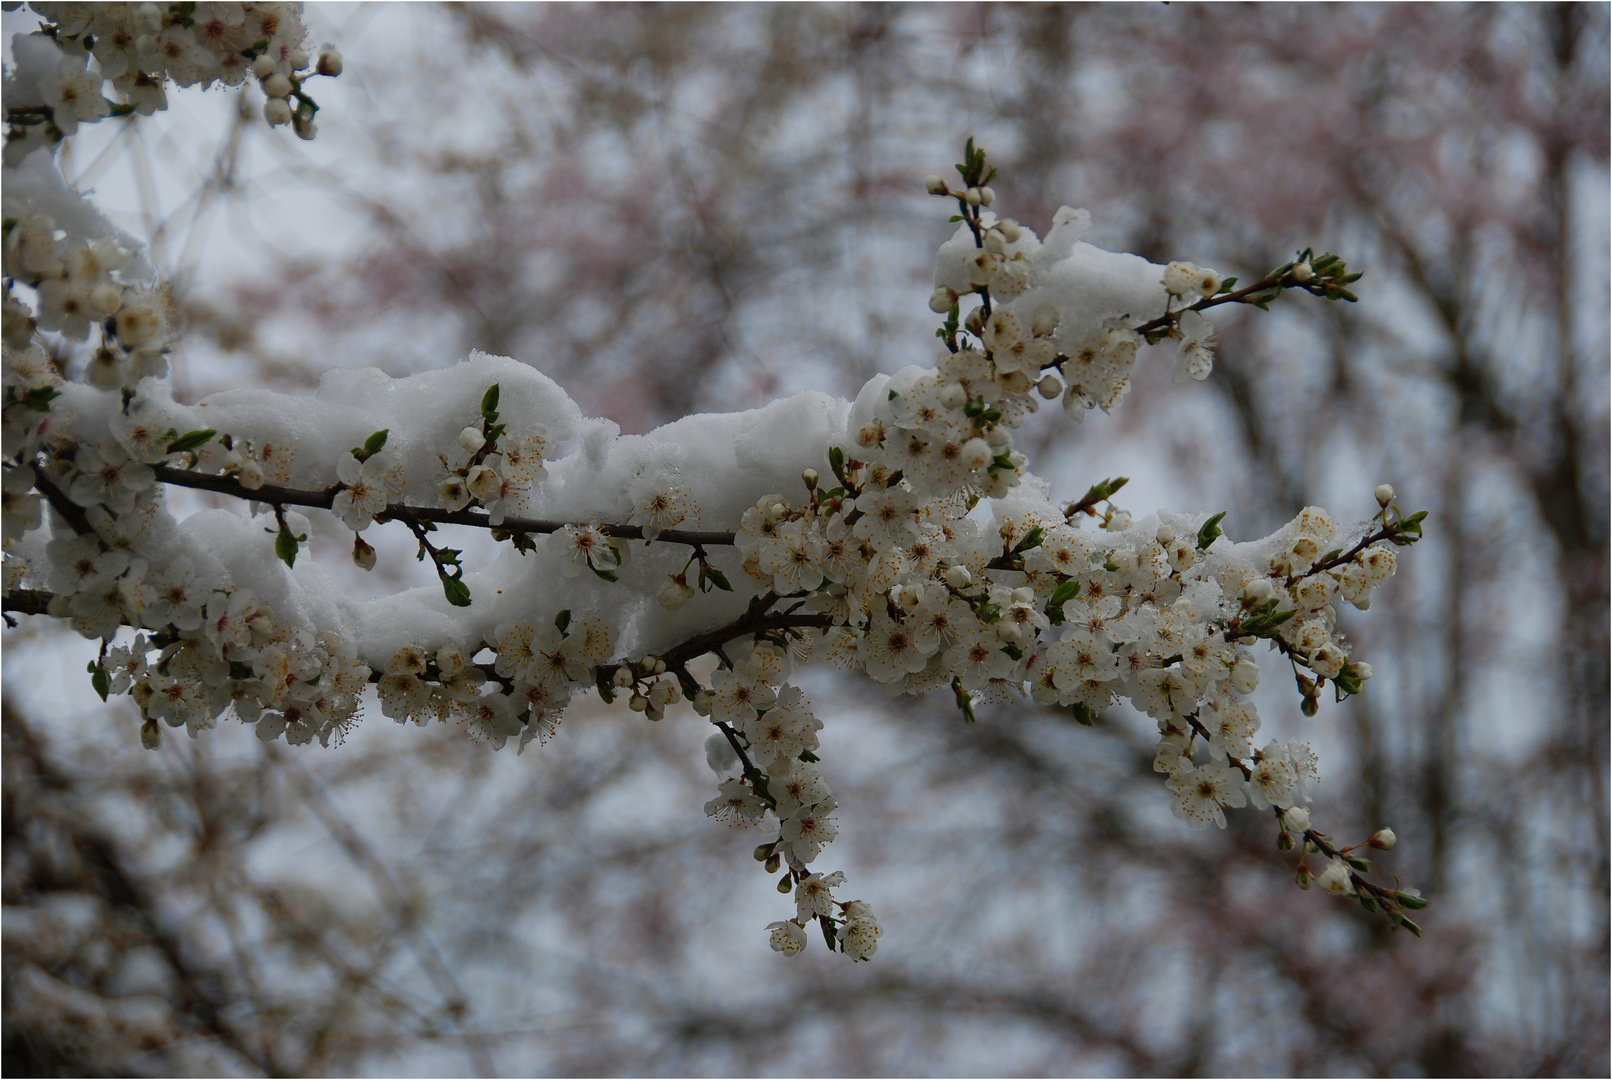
(457, 592)
(100, 679)
(836, 463)
(285, 547)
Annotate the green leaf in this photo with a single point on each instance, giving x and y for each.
(1412, 927)
(828, 932)
(808, 756)
(101, 680)
(1065, 592)
(1032, 539)
(562, 620)
(606, 575)
(1083, 714)
(1357, 863)
(1014, 652)
(1367, 902)
(285, 546)
(717, 578)
(39, 398)
(1210, 531)
(373, 444)
(489, 404)
(457, 592)
(1226, 286)
(190, 440)
(836, 463)
(1411, 900)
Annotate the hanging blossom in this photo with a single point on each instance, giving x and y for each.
(901, 535)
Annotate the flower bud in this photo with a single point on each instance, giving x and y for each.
(987, 196)
(958, 576)
(150, 735)
(1336, 879)
(622, 678)
(786, 884)
(1165, 534)
(675, 593)
(976, 454)
(106, 299)
(995, 242)
(809, 478)
(263, 67)
(1000, 439)
(1360, 670)
(363, 554)
(148, 18)
(638, 703)
(277, 86)
(1010, 230)
(1284, 841)
(1384, 839)
(934, 185)
(1259, 591)
(772, 864)
(654, 712)
(763, 852)
(1310, 705)
(298, 59)
(1303, 272)
(703, 702)
(1384, 494)
(941, 300)
(329, 62)
(1304, 879)
(973, 196)
(953, 396)
(1050, 387)
(1296, 819)
(1245, 676)
(276, 112)
(471, 439)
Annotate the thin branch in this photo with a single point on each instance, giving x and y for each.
(324, 498)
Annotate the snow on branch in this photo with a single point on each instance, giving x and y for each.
(901, 535)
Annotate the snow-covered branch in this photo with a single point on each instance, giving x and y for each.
(901, 534)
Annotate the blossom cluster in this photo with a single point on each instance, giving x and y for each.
(918, 548)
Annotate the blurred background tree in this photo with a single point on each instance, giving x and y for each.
(673, 209)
